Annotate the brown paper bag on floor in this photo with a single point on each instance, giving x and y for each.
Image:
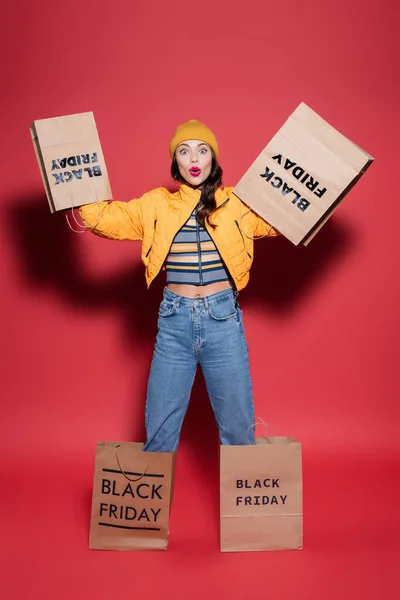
(302, 175)
(71, 160)
(132, 494)
(261, 496)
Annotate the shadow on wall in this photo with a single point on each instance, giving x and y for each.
(282, 278)
(50, 257)
(282, 274)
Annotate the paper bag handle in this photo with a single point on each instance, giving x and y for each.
(260, 237)
(83, 228)
(123, 472)
(259, 421)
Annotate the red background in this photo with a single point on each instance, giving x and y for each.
(78, 324)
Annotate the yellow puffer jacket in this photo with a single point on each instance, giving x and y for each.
(156, 217)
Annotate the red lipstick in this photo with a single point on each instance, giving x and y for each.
(194, 171)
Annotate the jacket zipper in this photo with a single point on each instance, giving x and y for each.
(148, 251)
(228, 271)
(198, 241)
(198, 247)
(241, 233)
(167, 252)
(220, 206)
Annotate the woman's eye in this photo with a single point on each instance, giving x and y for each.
(203, 151)
(183, 151)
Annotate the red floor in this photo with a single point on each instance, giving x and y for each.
(351, 536)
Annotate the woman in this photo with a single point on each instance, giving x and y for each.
(202, 235)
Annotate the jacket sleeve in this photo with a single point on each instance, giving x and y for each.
(254, 225)
(117, 220)
(260, 227)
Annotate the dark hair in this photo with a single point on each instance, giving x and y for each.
(209, 187)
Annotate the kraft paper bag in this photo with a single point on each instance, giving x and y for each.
(261, 496)
(71, 160)
(132, 495)
(302, 175)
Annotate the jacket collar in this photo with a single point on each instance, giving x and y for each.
(192, 196)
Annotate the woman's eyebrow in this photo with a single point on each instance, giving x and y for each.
(188, 146)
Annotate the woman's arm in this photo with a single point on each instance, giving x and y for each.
(251, 223)
(119, 220)
(260, 227)
(115, 220)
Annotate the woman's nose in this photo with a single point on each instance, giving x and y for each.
(193, 158)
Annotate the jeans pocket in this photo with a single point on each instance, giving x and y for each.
(166, 309)
(223, 309)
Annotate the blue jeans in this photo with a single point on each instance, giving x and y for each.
(207, 332)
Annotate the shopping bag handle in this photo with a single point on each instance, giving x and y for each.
(259, 237)
(122, 470)
(82, 228)
(259, 421)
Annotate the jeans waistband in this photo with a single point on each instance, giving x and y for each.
(205, 301)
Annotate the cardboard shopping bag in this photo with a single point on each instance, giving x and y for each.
(71, 160)
(261, 496)
(132, 495)
(302, 175)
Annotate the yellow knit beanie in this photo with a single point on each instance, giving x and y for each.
(193, 130)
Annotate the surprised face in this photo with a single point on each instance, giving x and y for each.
(194, 159)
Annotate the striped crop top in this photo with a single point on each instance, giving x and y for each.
(193, 258)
